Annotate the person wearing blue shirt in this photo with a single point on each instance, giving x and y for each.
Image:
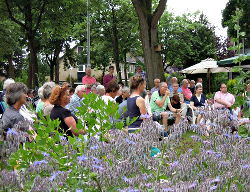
(174, 80)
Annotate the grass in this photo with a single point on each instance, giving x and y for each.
(186, 143)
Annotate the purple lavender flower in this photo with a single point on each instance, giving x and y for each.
(124, 178)
(62, 138)
(145, 116)
(246, 166)
(82, 158)
(194, 126)
(130, 142)
(210, 152)
(218, 155)
(206, 142)
(174, 164)
(96, 160)
(133, 190)
(213, 188)
(237, 136)
(79, 190)
(45, 154)
(148, 185)
(98, 167)
(11, 132)
(55, 174)
(168, 189)
(193, 185)
(216, 180)
(37, 163)
(95, 147)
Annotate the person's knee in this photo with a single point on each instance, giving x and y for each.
(164, 115)
(178, 115)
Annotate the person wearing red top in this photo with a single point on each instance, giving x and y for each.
(109, 77)
(88, 80)
(186, 91)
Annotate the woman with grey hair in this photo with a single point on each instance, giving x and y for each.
(16, 95)
(40, 103)
(3, 104)
(100, 89)
(47, 89)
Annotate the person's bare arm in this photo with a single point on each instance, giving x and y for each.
(192, 105)
(220, 101)
(71, 123)
(140, 102)
(161, 103)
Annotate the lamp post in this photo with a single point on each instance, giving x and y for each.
(88, 36)
(70, 69)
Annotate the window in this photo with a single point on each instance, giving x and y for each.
(81, 68)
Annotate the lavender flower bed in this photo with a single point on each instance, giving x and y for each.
(133, 162)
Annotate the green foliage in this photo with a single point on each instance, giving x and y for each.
(239, 87)
(187, 39)
(230, 85)
(180, 76)
(244, 22)
(96, 116)
(105, 17)
(217, 79)
(243, 131)
(240, 81)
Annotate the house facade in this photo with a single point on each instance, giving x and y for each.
(76, 73)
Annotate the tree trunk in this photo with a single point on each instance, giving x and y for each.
(149, 37)
(57, 71)
(33, 64)
(125, 69)
(11, 69)
(115, 45)
(51, 73)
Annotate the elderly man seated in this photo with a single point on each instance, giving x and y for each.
(159, 102)
(76, 98)
(223, 99)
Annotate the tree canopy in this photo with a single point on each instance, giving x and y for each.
(187, 39)
(244, 22)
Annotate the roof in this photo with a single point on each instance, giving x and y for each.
(230, 61)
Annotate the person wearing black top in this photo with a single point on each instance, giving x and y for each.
(198, 100)
(60, 97)
(135, 103)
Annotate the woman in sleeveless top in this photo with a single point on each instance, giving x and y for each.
(135, 103)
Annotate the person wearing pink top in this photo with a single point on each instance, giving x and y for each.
(186, 91)
(109, 77)
(88, 80)
(223, 99)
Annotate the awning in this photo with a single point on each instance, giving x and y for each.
(229, 62)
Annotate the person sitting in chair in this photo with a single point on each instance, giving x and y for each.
(159, 102)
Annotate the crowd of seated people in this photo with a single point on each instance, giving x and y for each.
(166, 102)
